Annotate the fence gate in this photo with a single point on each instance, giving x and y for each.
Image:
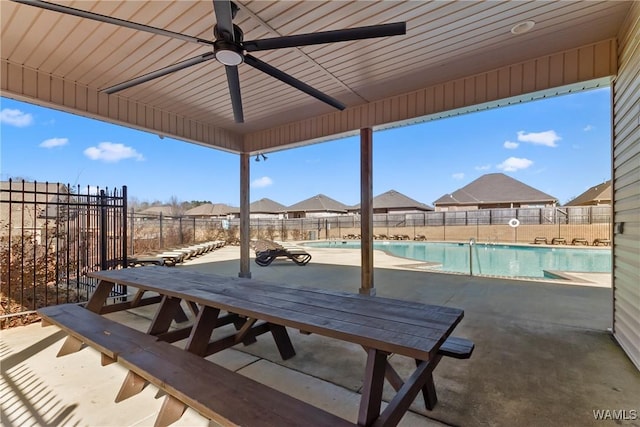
(51, 236)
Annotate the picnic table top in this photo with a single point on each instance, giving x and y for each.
(408, 328)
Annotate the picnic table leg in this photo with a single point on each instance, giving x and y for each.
(205, 323)
(164, 316)
(281, 337)
(99, 297)
(371, 399)
(238, 323)
(429, 389)
(418, 381)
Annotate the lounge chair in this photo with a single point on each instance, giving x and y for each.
(580, 241)
(420, 237)
(267, 252)
(539, 240)
(604, 242)
(139, 261)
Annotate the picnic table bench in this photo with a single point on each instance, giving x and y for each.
(219, 394)
(382, 326)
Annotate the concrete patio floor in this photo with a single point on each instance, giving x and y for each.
(543, 356)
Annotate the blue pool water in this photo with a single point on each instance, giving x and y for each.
(493, 260)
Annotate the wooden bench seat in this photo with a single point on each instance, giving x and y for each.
(456, 347)
(219, 394)
(216, 393)
(85, 327)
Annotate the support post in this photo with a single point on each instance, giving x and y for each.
(366, 211)
(245, 237)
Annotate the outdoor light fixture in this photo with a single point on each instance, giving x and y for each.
(257, 157)
(260, 155)
(522, 27)
(228, 53)
(263, 156)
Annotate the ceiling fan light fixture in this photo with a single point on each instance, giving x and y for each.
(522, 27)
(228, 53)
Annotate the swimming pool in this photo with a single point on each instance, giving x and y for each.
(492, 260)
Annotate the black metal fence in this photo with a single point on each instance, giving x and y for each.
(51, 236)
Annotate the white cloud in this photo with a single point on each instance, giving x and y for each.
(510, 145)
(265, 181)
(483, 167)
(54, 142)
(458, 176)
(111, 152)
(16, 118)
(547, 138)
(513, 164)
(588, 128)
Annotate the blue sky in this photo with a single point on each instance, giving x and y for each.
(560, 145)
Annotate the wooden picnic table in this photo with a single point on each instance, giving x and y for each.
(382, 326)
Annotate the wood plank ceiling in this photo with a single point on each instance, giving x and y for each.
(445, 40)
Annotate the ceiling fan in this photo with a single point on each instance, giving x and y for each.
(231, 50)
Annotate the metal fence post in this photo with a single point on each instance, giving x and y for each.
(125, 261)
(103, 230)
(160, 241)
(133, 250)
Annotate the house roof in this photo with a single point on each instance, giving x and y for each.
(600, 193)
(157, 210)
(266, 206)
(393, 199)
(318, 203)
(494, 188)
(210, 209)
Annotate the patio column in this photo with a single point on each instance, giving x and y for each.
(245, 236)
(366, 212)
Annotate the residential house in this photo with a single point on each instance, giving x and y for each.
(25, 208)
(266, 208)
(212, 210)
(155, 212)
(317, 206)
(494, 191)
(395, 202)
(598, 195)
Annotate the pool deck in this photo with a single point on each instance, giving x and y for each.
(543, 357)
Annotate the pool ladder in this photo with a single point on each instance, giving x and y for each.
(472, 241)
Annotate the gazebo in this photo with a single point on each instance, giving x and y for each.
(456, 57)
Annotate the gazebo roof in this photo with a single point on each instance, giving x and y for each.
(454, 57)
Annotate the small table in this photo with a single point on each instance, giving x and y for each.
(382, 326)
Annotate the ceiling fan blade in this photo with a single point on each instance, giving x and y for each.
(159, 73)
(292, 81)
(110, 20)
(224, 18)
(234, 90)
(373, 31)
